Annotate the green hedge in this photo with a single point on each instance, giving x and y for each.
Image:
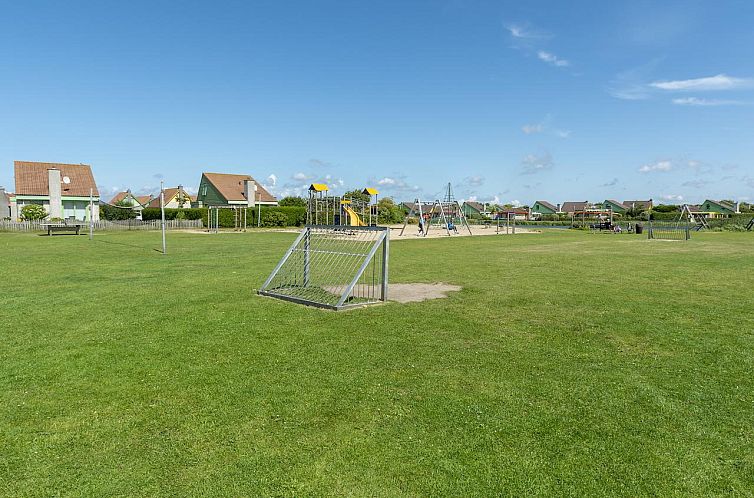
(285, 216)
(172, 214)
(272, 216)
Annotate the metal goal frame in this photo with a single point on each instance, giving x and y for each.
(333, 267)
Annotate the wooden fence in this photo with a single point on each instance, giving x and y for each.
(103, 225)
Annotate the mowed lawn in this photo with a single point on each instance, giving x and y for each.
(569, 364)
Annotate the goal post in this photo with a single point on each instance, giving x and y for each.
(334, 267)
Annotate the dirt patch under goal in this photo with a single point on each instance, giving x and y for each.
(413, 293)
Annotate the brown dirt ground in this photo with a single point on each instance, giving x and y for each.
(412, 293)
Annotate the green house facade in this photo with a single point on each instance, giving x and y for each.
(718, 207)
(543, 207)
(614, 206)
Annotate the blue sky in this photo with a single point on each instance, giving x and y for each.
(509, 101)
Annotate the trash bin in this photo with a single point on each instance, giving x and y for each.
(639, 228)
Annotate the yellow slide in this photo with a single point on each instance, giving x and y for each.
(353, 218)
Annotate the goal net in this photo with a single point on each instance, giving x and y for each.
(333, 267)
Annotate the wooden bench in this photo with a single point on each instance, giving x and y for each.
(62, 227)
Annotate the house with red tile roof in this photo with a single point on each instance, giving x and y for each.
(64, 190)
(223, 189)
(128, 198)
(175, 197)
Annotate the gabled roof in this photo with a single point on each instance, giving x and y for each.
(370, 191)
(118, 197)
(478, 206)
(638, 204)
(619, 204)
(32, 179)
(412, 206)
(231, 187)
(571, 206)
(547, 205)
(318, 187)
(170, 194)
(722, 204)
(142, 200)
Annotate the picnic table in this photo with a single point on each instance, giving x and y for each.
(63, 227)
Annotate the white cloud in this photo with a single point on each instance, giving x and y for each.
(301, 177)
(552, 59)
(395, 185)
(533, 128)
(611, 183)
(533, 163)
(272, 180)
(672, 197)
(696, 101)
(515, 203)
(526, 32)
(563, 133)
(656, 166)
(718, 82)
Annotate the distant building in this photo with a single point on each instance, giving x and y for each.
(614, 206)
(62, 189)
(572, 207)
(175, 198)
(717, 209)
(7, 205)
(519, 213)
(127, 198)
(410, 207)
(222, 189)
(473, 209)
(638, 205)
(543, 207)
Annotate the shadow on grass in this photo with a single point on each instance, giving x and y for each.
(125, 244)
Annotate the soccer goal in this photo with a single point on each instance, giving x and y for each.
(335, 267)
(669, 230)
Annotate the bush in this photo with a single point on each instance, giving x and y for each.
(172, 214)
(112, 213)
(274, 219)
(292, 201)
(33, 212)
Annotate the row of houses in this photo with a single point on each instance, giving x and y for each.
(709, 208)
(66, 190)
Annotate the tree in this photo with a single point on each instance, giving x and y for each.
(33, 212)
(358, 195)
(183, 199)
(292, 201)
(666, 208)
(389, 212)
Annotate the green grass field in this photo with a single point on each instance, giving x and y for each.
(570, 364)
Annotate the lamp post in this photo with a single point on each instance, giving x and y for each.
(91, 214)
(162, 215)
(258, 197)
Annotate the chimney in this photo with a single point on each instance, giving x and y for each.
(558, 210)
(56, 194)
(738, 205)
(250, 191)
